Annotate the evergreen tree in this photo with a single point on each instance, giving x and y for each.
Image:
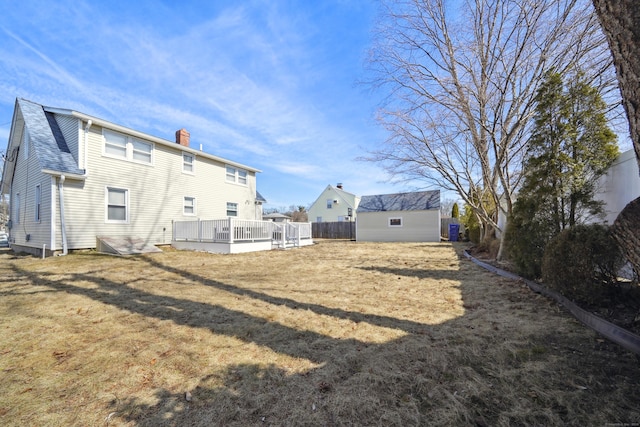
(455, 212)
(570, 147)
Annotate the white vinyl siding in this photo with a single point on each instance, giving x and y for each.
(16, 209)
(117, 205)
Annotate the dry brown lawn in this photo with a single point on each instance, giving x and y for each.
(340, 333)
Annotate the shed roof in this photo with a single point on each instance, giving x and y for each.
(415, 201)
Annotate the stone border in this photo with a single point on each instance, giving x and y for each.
(615, 333)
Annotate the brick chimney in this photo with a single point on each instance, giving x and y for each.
(339, 185)
(182, 137)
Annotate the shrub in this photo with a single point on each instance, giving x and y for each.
(581, 263)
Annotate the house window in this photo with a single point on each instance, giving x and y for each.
(16, 220)
(319, 219)
(395, 222)
(238, 176)
(117, 205)
(141, 151)
(37, 203)
(242, 177)
(187, 163)
(123, 147)
(115, 144)
(329, 203)
(232, 209)
(189, 206)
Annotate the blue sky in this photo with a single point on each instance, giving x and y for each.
(272, 84)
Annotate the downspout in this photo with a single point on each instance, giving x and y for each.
(86, 144)
(62, 224)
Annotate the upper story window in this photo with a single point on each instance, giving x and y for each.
(187, 162)
(239, 176)
(329, 203)
(141, 151)
(127, 148)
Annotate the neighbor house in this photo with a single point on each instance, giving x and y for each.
(620, 185)
(401, 217)
(72, 177)
(334, 205)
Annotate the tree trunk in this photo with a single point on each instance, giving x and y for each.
(625, 232)
(620, 21)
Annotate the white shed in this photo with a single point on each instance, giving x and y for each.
(401, 217)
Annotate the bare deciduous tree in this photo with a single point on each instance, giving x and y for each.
(461, 87)
(621, 23)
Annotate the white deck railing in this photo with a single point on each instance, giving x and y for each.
(242, 230)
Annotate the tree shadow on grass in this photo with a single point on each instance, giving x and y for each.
(435, 374)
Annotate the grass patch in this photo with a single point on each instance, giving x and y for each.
(340, 333)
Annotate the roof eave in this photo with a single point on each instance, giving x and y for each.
(142, 135)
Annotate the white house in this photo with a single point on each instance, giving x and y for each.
(72, 177)
(334, 205)
(401, 217)
(620, 185)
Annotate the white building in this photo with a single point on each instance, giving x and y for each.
(72, 177)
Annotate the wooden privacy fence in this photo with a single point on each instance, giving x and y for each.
(333, 230)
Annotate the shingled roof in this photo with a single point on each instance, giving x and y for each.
(415, 201)
(47, 140)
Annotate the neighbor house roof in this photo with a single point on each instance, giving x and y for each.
(415, 201)
(275, 215)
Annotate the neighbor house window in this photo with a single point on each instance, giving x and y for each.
(187, 162)
(189, 206)
(127, 148)
(117, 205)
(395, 222)
(239, 176)
(37, 203)
(16, 219)
(232, 209)
(329, 203)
